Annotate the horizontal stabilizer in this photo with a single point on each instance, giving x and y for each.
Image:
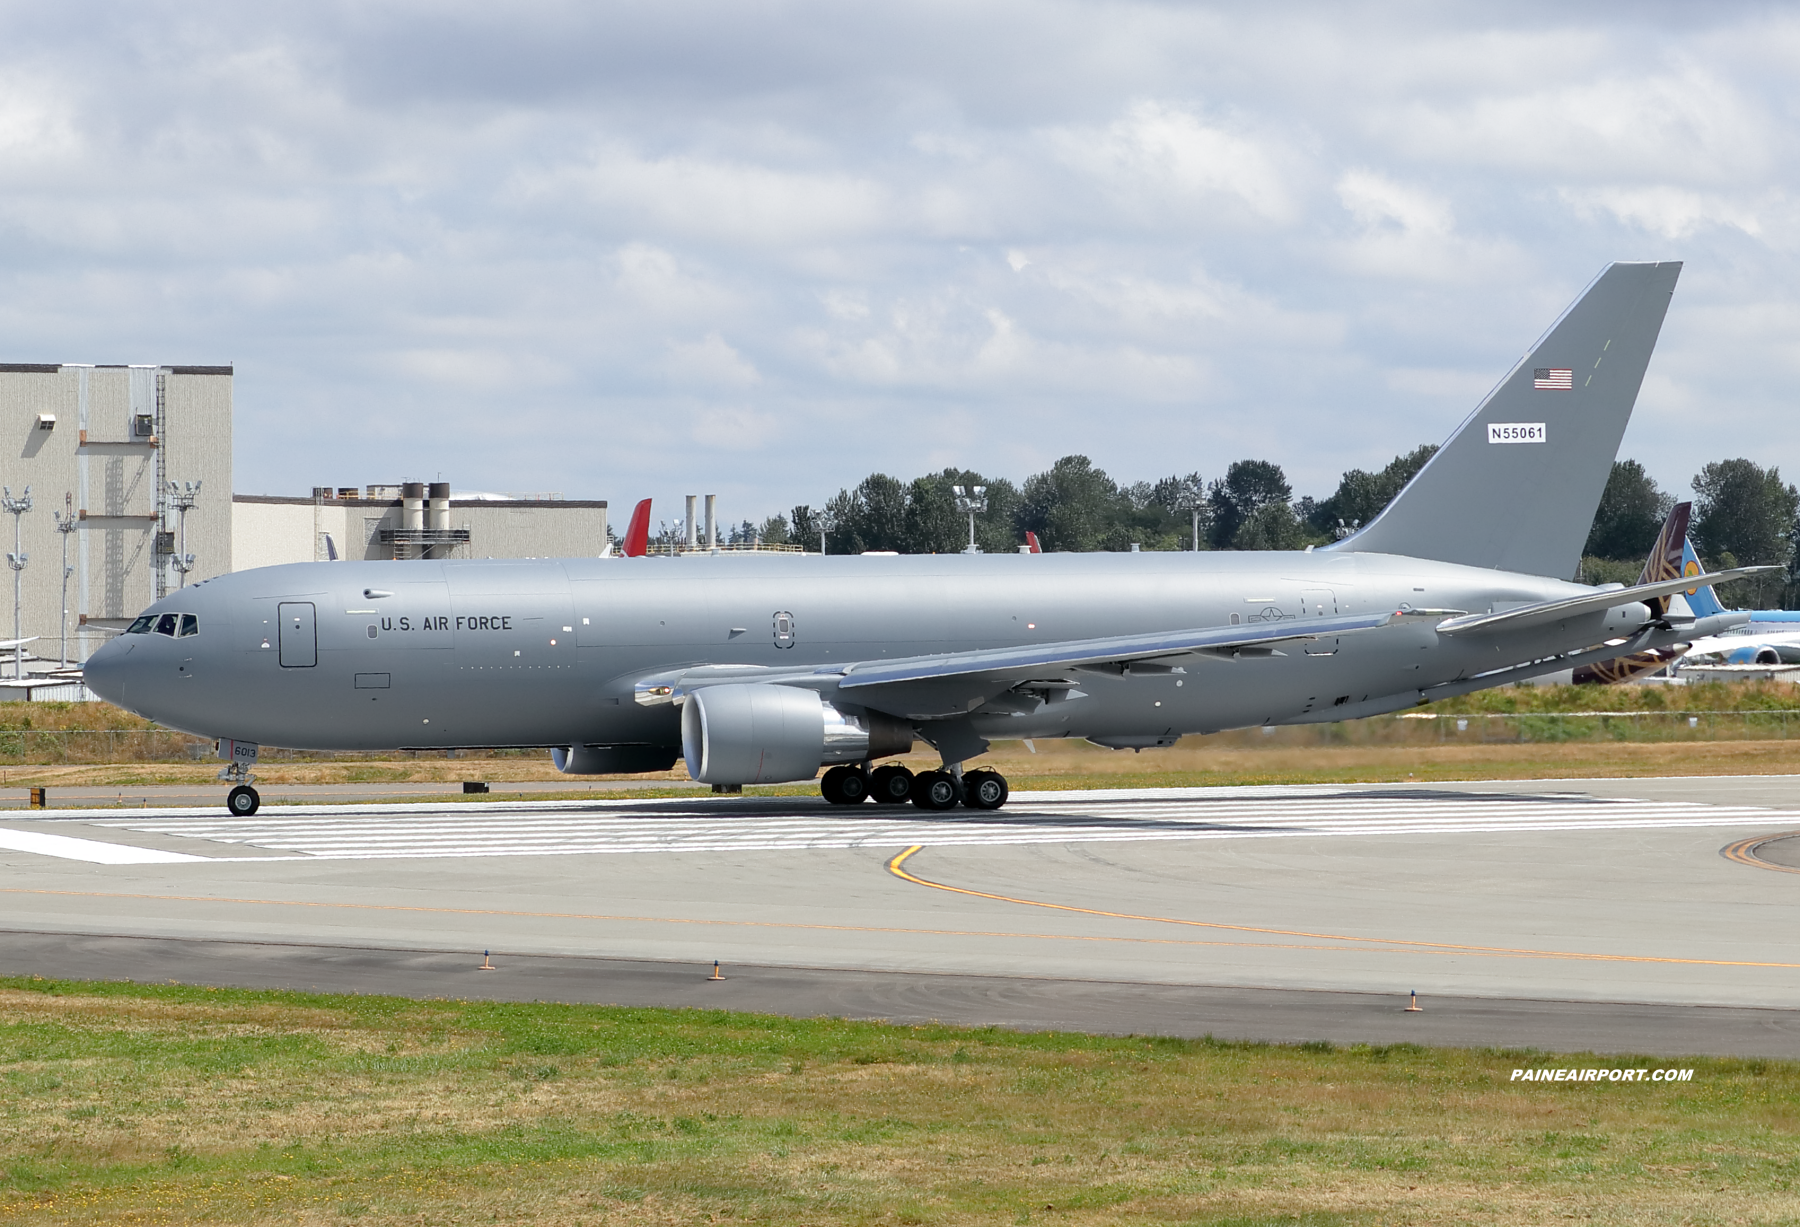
(1545, 612)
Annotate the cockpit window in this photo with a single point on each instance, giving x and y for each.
(190, 625)
(166, 624)
(142, 625)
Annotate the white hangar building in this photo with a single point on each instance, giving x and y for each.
(129, 471)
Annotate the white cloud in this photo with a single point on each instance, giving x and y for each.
(1172, 157)
(710, 361)
(1408, 233)
(1676, 213)
(1689, 125)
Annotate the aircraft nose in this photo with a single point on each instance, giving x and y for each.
(105, 671)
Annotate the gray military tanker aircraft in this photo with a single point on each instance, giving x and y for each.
(765, 669)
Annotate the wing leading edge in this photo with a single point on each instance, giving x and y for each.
(1119, 649)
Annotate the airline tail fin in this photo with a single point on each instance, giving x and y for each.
(1517, 485)
(1665, 556)
(1702, 602)
(637, 534)
(1665, 562)
(1031, 542)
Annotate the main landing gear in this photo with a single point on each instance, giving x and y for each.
(932, 790)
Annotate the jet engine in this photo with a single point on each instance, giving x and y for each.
(758, 733)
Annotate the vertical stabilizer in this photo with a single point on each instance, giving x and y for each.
(1701, 602)
(1664, 563)
(1517, 485)
(1665, 556)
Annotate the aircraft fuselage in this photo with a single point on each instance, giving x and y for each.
(447, 654)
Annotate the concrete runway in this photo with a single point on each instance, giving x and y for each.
(1555, 914)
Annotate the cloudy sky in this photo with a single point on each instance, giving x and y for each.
(619, 250)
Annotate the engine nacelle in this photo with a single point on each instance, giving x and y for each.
(1626, 619)
(614, 760)
(757, 733)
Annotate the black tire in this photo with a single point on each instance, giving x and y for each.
(985, 790)
(831, 787)
(853, 785)
(891, 785)
(242, 801)
(935, 790)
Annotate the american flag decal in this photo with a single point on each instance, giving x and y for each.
(1553, 379)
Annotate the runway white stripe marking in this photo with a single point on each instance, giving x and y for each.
(561, 828)
(95, 851)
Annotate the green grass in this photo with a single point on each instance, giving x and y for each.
(122, 1103)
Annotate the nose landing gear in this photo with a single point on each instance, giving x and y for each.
(242, 800)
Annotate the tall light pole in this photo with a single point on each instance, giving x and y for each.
(181, 498)
(970, 501)
(65, 524)
(17, 507)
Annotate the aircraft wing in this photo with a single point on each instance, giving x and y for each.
(1116, 650)
(1545, 612)
(6, 645)
(954, 683)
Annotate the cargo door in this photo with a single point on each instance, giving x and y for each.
(299, 634)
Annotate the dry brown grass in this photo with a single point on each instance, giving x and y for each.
(1195, 762)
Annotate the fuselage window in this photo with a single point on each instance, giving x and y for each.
(166, 625)
(190, 625)
(142, 625)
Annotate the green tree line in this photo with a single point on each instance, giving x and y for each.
(1743, 514)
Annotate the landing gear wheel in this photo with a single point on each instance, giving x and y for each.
(984, 790)
(242, 801)
(935, 790)
(854, 787)
(844, 786)
(891, 785)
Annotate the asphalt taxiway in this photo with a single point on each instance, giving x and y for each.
(1620, 915)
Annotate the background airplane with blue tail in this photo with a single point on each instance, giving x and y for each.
(1770, 639)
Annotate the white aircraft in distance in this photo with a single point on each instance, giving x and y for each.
(1771, 637)
(765, 669)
